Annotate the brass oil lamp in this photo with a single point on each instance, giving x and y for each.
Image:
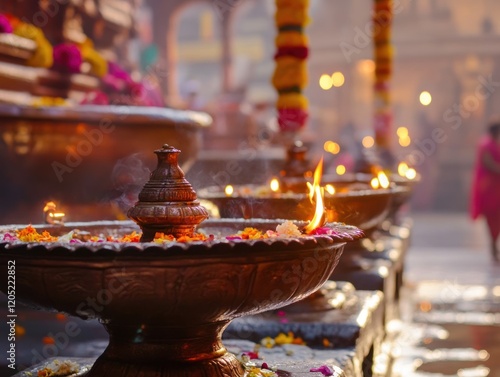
(167, 202)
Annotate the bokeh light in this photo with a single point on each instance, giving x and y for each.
(402, 131)
(425, 98)
(229, 190)
(325, 82)
(368, 141)
(405, 141)
(338, 79)
(275, 185)
(331, 147)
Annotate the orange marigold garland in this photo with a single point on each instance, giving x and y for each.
(383, 51)
(29, 234)
(290, 74)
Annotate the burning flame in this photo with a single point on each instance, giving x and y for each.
(51, 216)
(275, 185)
(382, 178)
(229, 190)
(316, 194)
(375, 183)
(49, 206)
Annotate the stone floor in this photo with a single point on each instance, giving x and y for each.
(451, 311)
(450, 322)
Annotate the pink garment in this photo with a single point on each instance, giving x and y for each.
(485, 196)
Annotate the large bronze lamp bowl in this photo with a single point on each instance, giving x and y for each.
(64, 151)
(401, 188)
(365, 209)
(166, 305)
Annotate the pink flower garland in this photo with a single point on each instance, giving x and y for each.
(67, 58)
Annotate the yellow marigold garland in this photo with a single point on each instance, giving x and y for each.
(43, 55)
(292, 101)
(29, 234)
(290, 74)
(291, 38)
(98, 65)
(383, 55)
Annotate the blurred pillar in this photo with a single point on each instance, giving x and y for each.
(383, 54)
(165, 21)
(55, 14)
(227, 53)
(473, 73)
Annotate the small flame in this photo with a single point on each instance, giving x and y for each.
(316, 194)
(330, 189)
(275, 185)
(51, 215)
(382, 178)
(375, 183)
(49, 206)
(411, 174)
(229, 190)
(402, 169)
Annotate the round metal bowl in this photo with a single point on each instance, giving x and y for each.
(65, 151)
(401, 195)
(165, 306)
(365, 209)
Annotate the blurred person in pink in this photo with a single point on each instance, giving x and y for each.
(485, 198)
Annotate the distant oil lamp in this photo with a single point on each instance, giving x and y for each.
(374, 183)
(380, 181)
(229, 190)
(274, 185)
(402, 169)
(411, 174)
(383, 179)
(51, 215)
(330, 189)
(406, 172)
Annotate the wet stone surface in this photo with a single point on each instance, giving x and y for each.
(357, 323)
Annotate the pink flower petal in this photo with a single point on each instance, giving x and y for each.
(325, 370)
(9, 237)
(251, 355)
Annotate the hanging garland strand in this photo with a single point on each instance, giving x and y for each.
(382, 22)
(290, 74)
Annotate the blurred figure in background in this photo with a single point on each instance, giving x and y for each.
(485, 198)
